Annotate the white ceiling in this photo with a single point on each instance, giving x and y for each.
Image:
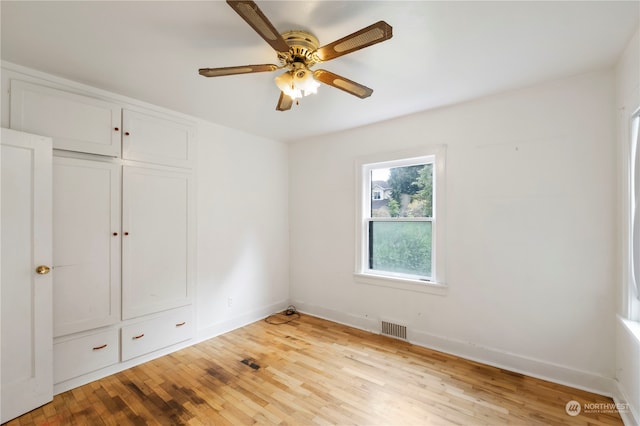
(442, 52)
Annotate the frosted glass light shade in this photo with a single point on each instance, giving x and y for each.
(303, 80)
(297, 83)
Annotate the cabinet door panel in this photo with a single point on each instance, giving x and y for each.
(156, 242)
(74, 122)
(26, 355)
(157, 139)
(86, 214)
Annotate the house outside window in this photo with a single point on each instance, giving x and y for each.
(400, 219)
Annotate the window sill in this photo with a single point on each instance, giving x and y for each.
(402, 283)
(632, 326)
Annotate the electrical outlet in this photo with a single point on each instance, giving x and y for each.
(230, 302)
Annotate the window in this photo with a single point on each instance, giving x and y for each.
(400, 219)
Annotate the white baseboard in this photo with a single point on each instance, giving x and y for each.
(239, 321)
(517, 363)
(497, 358)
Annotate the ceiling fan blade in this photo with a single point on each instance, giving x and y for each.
(245, 69)
(351, 87)
(375, 33)
(251, 13)
(284, 103)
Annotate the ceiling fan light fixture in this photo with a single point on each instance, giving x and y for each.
(303, 79)
(297, 83)
(285, 84)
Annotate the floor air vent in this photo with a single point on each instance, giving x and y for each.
(394, 330)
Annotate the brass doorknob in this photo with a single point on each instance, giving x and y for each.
(42, 270)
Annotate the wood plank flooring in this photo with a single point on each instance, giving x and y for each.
(315, 372)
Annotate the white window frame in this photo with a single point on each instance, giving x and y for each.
(435, 154)
(633, 283)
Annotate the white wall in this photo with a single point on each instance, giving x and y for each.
(243, 230)
(627, 331)
(530, 230)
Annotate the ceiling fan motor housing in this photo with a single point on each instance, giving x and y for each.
(302, 49)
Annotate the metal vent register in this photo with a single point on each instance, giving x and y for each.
(394, 330)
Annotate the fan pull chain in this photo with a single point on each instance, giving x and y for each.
(293, 88)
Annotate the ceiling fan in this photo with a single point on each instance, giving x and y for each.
(297, 52)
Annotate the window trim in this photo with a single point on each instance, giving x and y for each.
(632, 293)
(362, 273)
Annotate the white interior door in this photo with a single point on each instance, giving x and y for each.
(26, 347)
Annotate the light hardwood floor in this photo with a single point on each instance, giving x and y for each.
(315, 372)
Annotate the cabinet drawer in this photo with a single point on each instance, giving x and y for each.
(74, 122)
(74, 357)
(157, 333)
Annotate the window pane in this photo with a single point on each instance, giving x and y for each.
(402, 191)
(400, 247)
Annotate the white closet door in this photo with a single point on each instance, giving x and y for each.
(26, 311)
(86, 244)
(156, 240)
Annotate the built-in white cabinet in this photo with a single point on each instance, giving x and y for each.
(123, 234)
(156, 138)
(123, 249)
(91, 125)
(86, 244)
(157, 240)
(74, 122)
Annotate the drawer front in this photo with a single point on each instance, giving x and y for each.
(75, 357)
(147, 336)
